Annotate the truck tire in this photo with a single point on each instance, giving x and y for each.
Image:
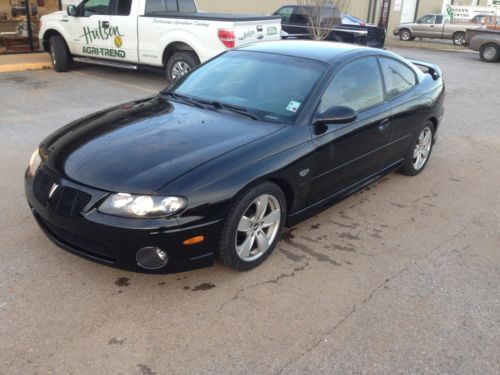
(405, 35)
(59, 54)
(459, 38)
(489, 52)
(181, 63)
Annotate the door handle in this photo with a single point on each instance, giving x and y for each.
(384, 125)
(105, 24)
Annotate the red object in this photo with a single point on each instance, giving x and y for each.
(226, 36)
(40, 3)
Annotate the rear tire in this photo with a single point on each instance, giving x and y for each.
(180, 64)
(59, 53)
(459, 39)
(405, 35)
(252, 227)
(489, 53)
(420, 151)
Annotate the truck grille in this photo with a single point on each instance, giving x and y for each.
(69, 202)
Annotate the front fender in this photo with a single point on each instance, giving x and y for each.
(51, 27)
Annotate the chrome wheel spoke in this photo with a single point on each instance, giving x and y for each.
(422, 148)
(262, 241)
(272, 218)
(245, 224)
(261, 207)
(246, 247)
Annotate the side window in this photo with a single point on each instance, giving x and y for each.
(439, 20)
(187, 6)
(155, 7)
(427, 20)
(171, 5)
(96, 7)
(357, 85)
(398, 77)
(123, 7)
(285, 14)
(299, 17)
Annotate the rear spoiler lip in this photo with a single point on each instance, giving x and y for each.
(434, 70)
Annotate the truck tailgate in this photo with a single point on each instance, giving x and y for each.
(256, 31)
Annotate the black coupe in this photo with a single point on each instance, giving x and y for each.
(215, 166)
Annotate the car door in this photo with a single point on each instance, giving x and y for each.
(408, 110)
(90, 29)
(424, 28)
(124, 29)
(345, 154)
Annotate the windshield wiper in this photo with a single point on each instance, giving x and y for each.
(184, 98)
(232, 108)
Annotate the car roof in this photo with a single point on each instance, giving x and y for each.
(324, 51)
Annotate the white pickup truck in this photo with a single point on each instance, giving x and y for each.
(169, 34)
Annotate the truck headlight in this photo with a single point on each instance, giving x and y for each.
(35, 162)
(142, 206)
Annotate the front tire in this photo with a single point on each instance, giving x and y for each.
(405, 35)
(420, 151)
(489, 53)
(459, 39)
(252, 227)
(180, 64)
(59, 54)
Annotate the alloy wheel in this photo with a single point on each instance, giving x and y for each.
(459, 40)
(258, 227)
(405, 35)
(179, 69)
(53, 54)
(422, 148)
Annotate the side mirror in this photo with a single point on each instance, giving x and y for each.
(336, 115)
(72, 11)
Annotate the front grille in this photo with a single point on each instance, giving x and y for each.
(79, 243)
(68, 202)
(41, 186)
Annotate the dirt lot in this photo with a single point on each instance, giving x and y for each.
(403, 277)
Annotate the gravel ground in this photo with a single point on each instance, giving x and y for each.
(402, 277)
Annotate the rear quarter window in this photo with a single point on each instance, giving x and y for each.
(398, 77)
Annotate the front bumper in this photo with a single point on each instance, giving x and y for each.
(111, 240)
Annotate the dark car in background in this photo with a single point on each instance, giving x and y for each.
(258, 138)
(295, 24)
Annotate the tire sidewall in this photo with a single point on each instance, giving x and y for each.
(226, 251)
(59, 50)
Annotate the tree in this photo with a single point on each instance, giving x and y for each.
(323, 15)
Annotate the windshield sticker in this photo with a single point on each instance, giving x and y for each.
(293, 106)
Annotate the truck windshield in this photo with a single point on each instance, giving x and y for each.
(269, 86)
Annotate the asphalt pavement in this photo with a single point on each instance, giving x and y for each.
(403, 277)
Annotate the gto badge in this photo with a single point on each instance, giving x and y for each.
(53, 189)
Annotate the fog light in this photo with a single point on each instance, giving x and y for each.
(151, 258)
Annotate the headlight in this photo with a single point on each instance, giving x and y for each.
(35, 162)
(147, 206)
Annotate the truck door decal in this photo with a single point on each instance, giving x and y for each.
(103, 33)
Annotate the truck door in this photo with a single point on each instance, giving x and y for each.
(437, 30)
(424, 28)
(124, 25)
(90, 32)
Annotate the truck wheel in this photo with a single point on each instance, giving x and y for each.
(489, 52)
(180, 64)
(59, 54)
(405, 35)
(459, 39)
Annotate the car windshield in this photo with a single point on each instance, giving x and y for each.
(270, 87)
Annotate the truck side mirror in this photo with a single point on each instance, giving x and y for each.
(72, 11)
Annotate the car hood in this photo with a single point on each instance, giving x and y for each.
(139, 147)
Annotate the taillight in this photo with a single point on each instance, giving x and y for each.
(226, 36)
(362, 24)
